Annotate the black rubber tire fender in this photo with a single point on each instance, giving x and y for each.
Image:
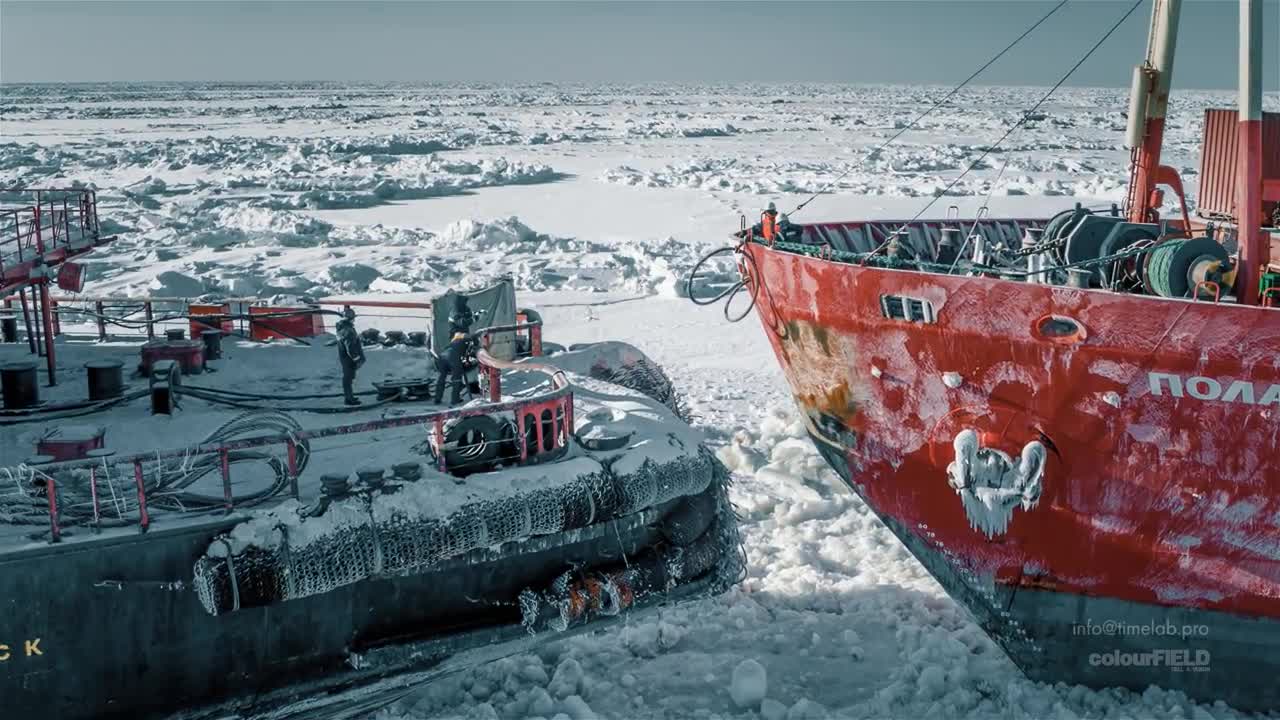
(688, 520)
(472, 444)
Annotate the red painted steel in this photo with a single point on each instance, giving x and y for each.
(1167, 498)
(227, 326)
(70, 448)
(1255, 247)
(51, 489)
(1218, 196)
(50, 230)
(46, 319)
(1142, 179)
(144, 520)
(492, 367)
(284, 322)
(71, 277)
(189, 354)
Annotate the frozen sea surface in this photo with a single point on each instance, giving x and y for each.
(589, 195)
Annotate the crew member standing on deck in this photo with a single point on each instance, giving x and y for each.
(450, 361)
(788, 231)
(767, 228)
(350, 353)
(768, 222)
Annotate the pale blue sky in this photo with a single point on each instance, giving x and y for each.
(890, 41)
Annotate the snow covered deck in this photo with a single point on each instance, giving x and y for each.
(269, 375)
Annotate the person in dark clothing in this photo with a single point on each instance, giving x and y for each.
(451, 359)
(788, 231)
(451, 367)
(461, 318)
(350, 354)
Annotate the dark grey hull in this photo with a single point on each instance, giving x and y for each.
(94, 629)
(1057, 637)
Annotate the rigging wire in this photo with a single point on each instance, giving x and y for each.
(1021, 121)
(936, 105)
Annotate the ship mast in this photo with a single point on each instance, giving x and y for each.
(1148, 102)
(1255, 246)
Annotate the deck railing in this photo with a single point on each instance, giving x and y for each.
(544, 424)
(42, 223)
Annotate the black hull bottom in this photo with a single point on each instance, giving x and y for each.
(1057, 637)
(94, 629)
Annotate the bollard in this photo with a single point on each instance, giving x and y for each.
(106, 379)
(948, 246)
(1079, 278)
(333, 485)
(407, 471)
(9, 327)
(374, 477)
(1035, 261)
(18, 382)
(212, 340)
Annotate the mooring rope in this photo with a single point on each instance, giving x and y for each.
(1021, 121)
(945, 98)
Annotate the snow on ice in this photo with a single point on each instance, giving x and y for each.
(591, 196)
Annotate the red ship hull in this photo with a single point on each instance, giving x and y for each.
(1131, 452)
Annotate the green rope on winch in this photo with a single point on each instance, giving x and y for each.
(1158, 269)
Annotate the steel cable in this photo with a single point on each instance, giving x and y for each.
(1025, 115)
(936, 105)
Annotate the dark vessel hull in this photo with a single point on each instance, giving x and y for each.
(105, 628)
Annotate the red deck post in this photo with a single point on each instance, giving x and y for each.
(495, 384)
(47, 318)
(55, 533)
(1255, 246)
(535, 341)
(144, 521)
(1151, 99)
(224, 462)
(438, 434)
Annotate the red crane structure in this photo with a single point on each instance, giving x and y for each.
(41, 231)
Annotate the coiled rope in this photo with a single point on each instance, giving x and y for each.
(749, 277)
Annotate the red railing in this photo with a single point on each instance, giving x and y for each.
(226, 314)
(550, 420)
(58, 223)
(160, 312)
